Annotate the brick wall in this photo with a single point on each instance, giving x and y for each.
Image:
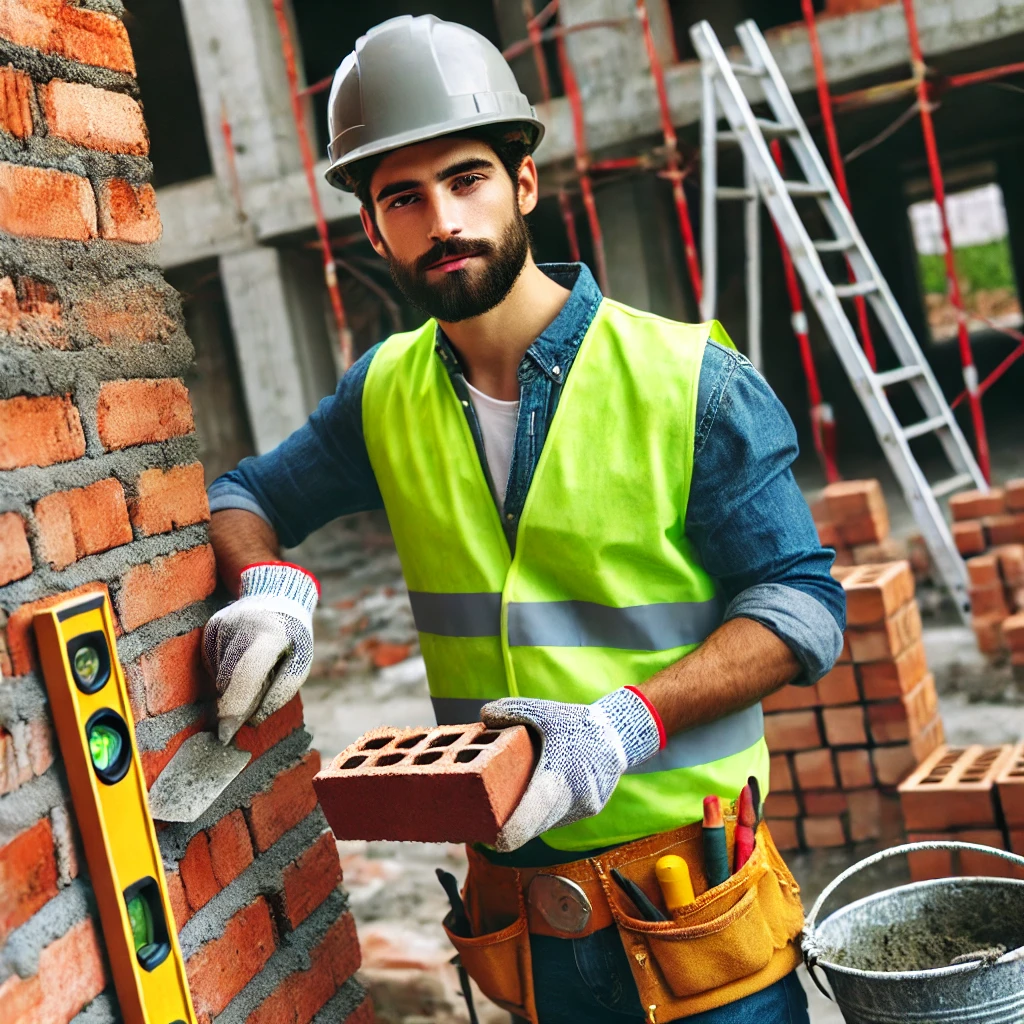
(100, 489)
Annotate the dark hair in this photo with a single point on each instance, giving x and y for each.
(509, 143)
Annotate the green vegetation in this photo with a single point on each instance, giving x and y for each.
(979, 267)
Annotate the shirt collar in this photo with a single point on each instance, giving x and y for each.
(557, 345)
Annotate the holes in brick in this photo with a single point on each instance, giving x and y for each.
(429, 757)
(445, 740)
(383, 762)
(377, 743)
(486, 737)
(467, 755)
(411, 741)
(354, 762)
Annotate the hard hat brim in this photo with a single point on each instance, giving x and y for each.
(335, 173)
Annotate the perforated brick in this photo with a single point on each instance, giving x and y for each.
(874, 592)
(455, 783)
(1010, 787)
(954, 788)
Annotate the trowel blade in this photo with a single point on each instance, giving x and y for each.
(201, 769)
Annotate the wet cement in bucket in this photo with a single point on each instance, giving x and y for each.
(926, 929)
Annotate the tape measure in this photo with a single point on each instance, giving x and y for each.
(96, 733)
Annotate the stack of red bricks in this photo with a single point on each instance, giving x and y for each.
(997, 602)
(986, 520)
(101, 490)
(968, 794)
(839, 747)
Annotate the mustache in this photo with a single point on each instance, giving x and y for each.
(454, 247)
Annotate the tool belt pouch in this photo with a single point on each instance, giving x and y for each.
(499, 961)
(735, 939)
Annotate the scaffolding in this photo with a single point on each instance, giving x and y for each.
(668, 163)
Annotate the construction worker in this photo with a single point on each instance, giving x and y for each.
(602, 539)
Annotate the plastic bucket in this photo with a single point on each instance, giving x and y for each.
(945, 950)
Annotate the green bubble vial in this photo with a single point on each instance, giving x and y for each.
(87, 665)
(104, 746)
(141, 919)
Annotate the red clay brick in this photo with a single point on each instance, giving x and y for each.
(258, 739)
(888, 639)
(1011, 563)
(839, 686)
(814, 769)
(55, 26)
(785, 833)
(983, 570)
(451, 783)
(1007, 529)
(850, 499)
(864, 817)
(845, 655)
(166, 585)
(977, 504)
(790, 698)
(309, 880)
(155, 761)
(893, 764)
(844, 726)
(828, 535)
(30, 313)
(83, 521)
(874, 592)
(169, 499)
(230, 847)
(220, 969)
(971, 863)
(1017, 840)
(1013, 631)
(854, 768)
(928, 740)
(142, 411)
(969, 537)
(926, 864)
(780, 774)
(990, 600)
(28, 876)
(954, 788)
(39, 202)
(783, 805)
(988, 632)
(128, 213)
(1014, 494)
(71, 975)
(364, 1013)
(39, 431)
(15, 103)
(896, 721)
(20, 640)
(196, 870)
(280, 807)
(173, 674)
(15, 556)
(882, 680)
(126, 318)
(94, 118)
(824, 802)
(179, 901)
(823, 832)
(1010, 787)
(792, 730)
(867, 529)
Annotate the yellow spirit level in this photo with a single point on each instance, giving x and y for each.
(96, 732)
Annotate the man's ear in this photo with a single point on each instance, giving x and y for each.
(529, 186)
(371, 232)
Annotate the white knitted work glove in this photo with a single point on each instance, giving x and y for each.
(584, 750)
(259, 649)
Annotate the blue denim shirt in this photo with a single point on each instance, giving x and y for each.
(746, 517)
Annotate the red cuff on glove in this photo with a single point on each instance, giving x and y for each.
(290, 565)
(662, 736)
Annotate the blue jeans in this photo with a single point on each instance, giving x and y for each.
(577, 980)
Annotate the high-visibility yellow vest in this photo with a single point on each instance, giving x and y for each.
(604, 588)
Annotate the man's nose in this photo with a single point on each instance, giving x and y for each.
(444, 224)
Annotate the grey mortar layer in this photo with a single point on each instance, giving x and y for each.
(60, 155)
(43, 66)
(258, 775)
(97, 262)
(291, 955)
(22, 699)
(145, 638)
(341, 1004)
(102, 1010)
(54, 919)
(153, 733)
(263, 877)
(28, 803)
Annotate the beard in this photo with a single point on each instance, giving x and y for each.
(463, 294)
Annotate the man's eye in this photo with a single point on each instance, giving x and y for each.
(466, 180)
(402, 201)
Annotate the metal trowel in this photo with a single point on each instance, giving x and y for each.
(201, 769)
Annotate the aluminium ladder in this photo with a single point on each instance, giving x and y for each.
(762, 178)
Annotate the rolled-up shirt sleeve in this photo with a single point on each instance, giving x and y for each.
(750, 523)
(318, 473)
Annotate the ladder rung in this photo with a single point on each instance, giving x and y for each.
(835, 244)
(953, 483)
(747, 69)
(731, 192)
(774, 127)
(855, 288)
(928, 426)
(889, 377)
(805, 188)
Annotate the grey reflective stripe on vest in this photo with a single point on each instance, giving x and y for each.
(456, 614)
(642, 627)
(702, 745)
(706, 743)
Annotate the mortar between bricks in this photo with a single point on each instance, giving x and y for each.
(454, 783)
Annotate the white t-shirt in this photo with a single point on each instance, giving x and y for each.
(498, 426)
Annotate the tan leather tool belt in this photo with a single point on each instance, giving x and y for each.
(732, 941)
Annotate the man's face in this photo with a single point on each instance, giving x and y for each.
(450, 223)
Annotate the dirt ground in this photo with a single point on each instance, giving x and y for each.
(368, 672)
